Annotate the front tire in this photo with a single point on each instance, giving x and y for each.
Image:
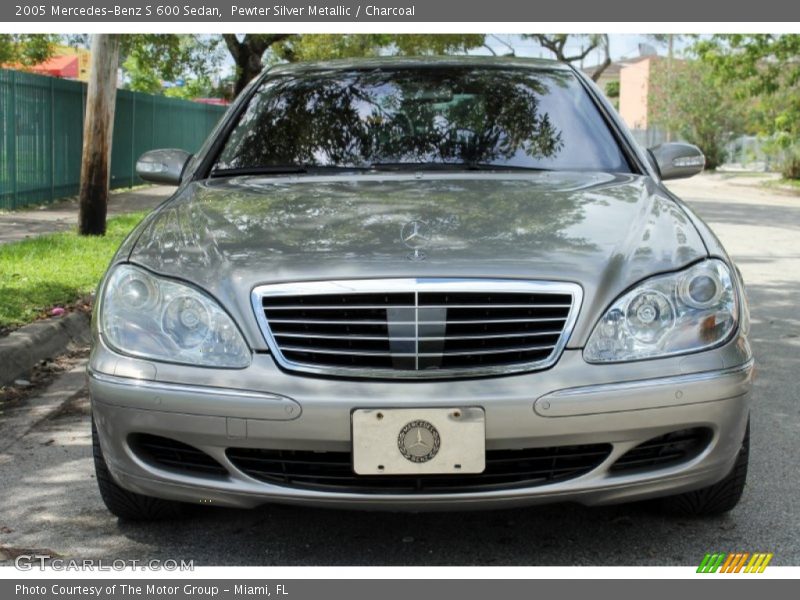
(715, 499)
(124, 504)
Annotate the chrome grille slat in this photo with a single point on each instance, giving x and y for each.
(426, 354)
(490, 321)
(424, 338)
(382, 306)
(317, 336)
(421, 321)
(417, 328)
(348, 352)
(421, 338)
(493, 351)
(329, 322)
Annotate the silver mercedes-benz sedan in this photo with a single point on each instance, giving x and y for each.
(421, 284)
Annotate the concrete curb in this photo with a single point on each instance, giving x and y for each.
(22, 349)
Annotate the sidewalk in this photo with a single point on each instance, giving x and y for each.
(63, 215)
(736, 187)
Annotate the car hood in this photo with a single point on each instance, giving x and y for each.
(603, 231)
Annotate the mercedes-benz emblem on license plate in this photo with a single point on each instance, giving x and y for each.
(418, 441)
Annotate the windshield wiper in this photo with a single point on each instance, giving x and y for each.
(378, 166)
(496, 167)
(278, 170)
(282, 170)
(440, 166)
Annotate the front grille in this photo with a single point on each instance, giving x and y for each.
(666, 450)
(333, 471)
(417, 327)
(174, 455)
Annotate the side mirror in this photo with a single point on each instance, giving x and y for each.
(676, 160)
(162, 166)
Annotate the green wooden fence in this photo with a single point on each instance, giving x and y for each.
(41, 130)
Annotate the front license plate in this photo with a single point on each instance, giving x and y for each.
(419, 441)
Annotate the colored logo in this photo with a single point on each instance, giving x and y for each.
(735, 562)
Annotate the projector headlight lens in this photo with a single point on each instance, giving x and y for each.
(671, 314)
(153, 317)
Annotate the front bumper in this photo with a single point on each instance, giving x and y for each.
(573, 403)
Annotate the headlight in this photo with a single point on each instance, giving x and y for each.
(148, 316)
(670, 314)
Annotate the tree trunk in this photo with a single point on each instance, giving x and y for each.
(98, 127)
(248, 53)
(605, 43)
(249, 68)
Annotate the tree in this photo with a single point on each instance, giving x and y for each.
(248, 53)
(97, 131)
(26, 49)
(557, 43)
(149, 60)
(331, 46)
(766, 69)
(686, 98)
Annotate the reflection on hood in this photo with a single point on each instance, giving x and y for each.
(603, 231)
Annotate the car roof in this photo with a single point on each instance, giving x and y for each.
(401, 62)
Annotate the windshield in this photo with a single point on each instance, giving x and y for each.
(422, 117)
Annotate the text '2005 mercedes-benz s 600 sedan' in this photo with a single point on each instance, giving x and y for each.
(420, 284)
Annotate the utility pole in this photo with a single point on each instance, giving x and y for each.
(98, 125)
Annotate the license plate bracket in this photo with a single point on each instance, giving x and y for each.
(419, 441)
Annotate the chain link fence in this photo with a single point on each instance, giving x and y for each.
(742, 153)
(747, 153)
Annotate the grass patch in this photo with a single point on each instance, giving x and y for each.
(792, 185)
(747, 174)
(55, 270)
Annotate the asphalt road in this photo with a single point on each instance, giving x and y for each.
(49, 502)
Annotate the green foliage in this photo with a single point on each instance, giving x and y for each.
(141, 77)
(332, 46)
(433, 44)
(197, 87)
(687, 98)
(150, 59)
(766, 68)
(56, 269)
(612, 91)
(147, 60)
(327, 46)
(26, 49)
